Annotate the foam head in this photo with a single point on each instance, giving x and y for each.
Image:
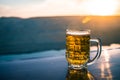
(77, 32)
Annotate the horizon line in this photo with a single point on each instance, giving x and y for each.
(60, 16)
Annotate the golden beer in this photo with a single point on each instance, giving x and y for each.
(77, 74)
(77, 48)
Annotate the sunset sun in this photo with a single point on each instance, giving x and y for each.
(101, 7)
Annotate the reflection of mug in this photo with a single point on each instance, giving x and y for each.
(78, 48)
(81, 74)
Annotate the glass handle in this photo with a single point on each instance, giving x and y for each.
(99, 48)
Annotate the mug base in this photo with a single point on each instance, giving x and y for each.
(71, 66)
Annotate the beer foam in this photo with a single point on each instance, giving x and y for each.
(78, 32)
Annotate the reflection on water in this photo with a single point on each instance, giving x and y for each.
(105, 66)
(82, 74)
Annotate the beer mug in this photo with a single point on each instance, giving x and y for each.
(78, 48)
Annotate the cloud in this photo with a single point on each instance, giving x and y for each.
(44, 8)
(5, 10)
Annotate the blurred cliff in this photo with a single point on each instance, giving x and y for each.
(19, 35)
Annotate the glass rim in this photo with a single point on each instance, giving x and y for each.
(78, 32)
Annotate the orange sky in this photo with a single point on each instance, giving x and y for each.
(33, 8)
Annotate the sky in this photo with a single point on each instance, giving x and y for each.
(34, 8)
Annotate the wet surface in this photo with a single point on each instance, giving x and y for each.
(56, 68)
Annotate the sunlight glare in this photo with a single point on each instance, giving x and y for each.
(105, 67)
(100, 7)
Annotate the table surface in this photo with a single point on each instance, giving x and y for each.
(56, 68)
